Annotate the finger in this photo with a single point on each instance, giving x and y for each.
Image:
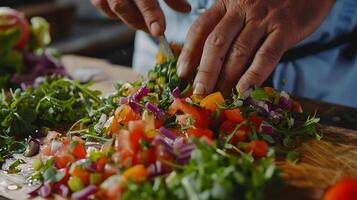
(265, 60)
(215, 50)
(103, 6)
(179, 5)
(153, 16)
(128, 13)
(191, 53)
(241, 53)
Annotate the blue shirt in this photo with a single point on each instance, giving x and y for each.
(326, 74)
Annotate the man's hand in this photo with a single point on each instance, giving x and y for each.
(140, 14)
(239, 42)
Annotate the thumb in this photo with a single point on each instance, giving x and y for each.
(179, 5)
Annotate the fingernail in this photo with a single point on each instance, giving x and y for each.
(242, 87)
(199, 89)
(155, 28)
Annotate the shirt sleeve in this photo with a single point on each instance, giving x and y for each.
(341, 20)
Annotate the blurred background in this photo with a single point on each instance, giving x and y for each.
(78, 28)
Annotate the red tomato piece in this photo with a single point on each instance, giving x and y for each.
(258, 148)
(342, 190)
(81, 174)
(62, 161)
(234, 115)
(198, 132)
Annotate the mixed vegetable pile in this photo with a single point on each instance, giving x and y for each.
(23, 52)
(151, 139)
(154, 139)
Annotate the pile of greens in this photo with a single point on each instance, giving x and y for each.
(57, 102)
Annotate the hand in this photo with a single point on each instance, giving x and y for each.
(239, 42)
(140, 14)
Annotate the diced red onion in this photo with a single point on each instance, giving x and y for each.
(63, 190)
(124, 100)
(176, 93)
(45, 190)
(158, 166)
(165, 141)
(33, 147)
(92, 167)
(85, 193)
(151, 170)
(179, 142)
(141, 93)
(135, 106)
(34, 193)
(167, 133)
(267, 129)
(184, 156)
(285, 104)
(155, 110)
(187, 148)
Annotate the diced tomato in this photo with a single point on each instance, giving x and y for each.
(122, 141)
(258, 148)
(146, 157)
(200, 115)
(81, 174)
(136, 126)
(137, 173)
(269, 90)
(198, 132)
(297, 107)
(62, 161)
(234, 115)
(159, 123)
(342, 190)
(212, 101)
(79, 151)
(51, 135)
(227, 127)
(253, 122)
(101, 163)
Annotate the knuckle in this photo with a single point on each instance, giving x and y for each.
(216, 40)
(270, 54)
(148, 8)
(254, 77)
(197, 28)
(239, 50)
(119, 5)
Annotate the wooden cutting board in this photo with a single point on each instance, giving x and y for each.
(321, 164)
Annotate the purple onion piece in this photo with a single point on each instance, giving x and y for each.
(33, 147)
(141, 93)
(179, 142)
(124, 100)
(267, 129)
(187, 148)
(176, 93)
(285, 104)
(167, 133)
(45, 190)
(85, 193)
(92, 167)
(184, 156)
(63, 190)
(135, 106)
(155, 110)
(34, 193)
